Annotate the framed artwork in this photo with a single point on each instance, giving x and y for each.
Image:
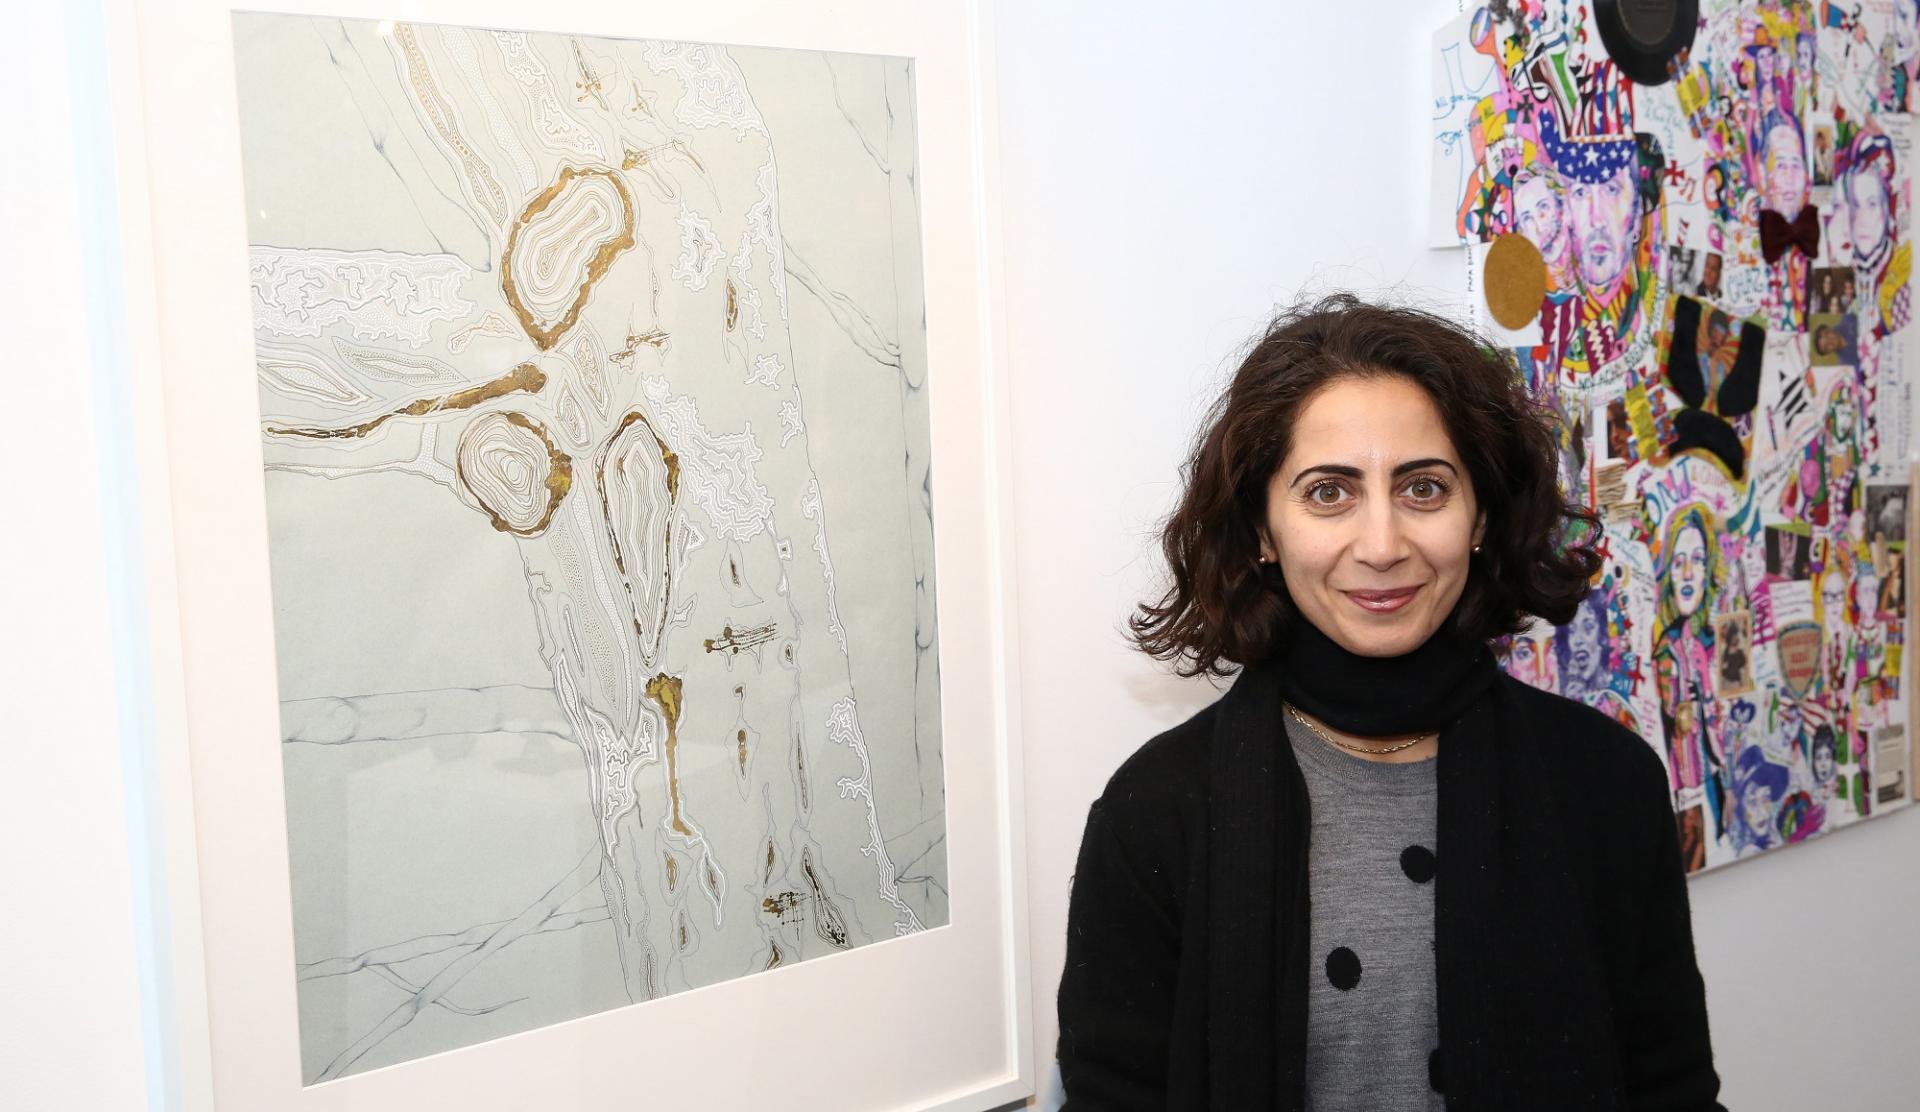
(1693, 230)
(585, 445)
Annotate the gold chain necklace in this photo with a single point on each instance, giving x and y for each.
(1323, 735)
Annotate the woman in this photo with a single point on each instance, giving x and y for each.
(1880, 262)
(1540, 214)
(1690, 575)
(1759, 784)
(1377, 874)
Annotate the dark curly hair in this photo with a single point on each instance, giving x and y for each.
(1224, 607)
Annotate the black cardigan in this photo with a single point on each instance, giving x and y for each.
(1139, 992)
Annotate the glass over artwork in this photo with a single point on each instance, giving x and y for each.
(593, 386)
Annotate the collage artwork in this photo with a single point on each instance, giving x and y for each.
(1690, 223)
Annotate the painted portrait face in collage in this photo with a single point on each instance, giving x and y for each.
(1720, 239)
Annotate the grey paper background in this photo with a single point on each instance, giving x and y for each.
(499, 815)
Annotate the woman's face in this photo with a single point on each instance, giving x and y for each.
(1823, 764)
(1371, 516)
(1539, 215)
(1866, 213)
(1583, 648)
(1689, 570)
(1531, 662)
(1833, 596)
(1525, 660)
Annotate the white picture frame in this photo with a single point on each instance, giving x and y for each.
(934, 1020)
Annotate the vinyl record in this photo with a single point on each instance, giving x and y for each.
(1642, 36)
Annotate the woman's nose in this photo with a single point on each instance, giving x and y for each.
(1381, 543)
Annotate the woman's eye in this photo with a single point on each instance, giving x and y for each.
(1425, 490)
(1324, 494)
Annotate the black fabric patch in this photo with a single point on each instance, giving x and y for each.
(1433, 1071)
(1343, 968)
(1703, 425)
(1419, 863)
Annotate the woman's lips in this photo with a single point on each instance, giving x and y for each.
(1382, 602)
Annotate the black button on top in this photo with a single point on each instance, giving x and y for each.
(1343, 968)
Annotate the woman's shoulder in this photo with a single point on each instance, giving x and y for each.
(1152, 815)
(1168, 773)
(1584, 745)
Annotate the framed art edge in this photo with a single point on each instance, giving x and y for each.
(992, 300)
(998, 1095)
(180, 922)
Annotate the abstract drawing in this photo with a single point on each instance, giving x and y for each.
(593, 384)
(1727, 244)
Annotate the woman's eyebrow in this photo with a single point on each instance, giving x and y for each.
(1431, 461)
(1346, 471)
(1340, 469)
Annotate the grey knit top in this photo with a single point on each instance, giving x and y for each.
(1373, 1027)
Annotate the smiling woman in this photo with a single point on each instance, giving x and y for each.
(1371, 516)
(1378, 874)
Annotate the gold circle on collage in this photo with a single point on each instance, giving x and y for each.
(1516, 281)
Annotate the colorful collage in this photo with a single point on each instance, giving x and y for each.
(1709, 204)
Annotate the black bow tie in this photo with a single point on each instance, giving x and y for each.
(1777, 233)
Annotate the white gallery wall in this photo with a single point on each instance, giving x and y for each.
(1169, 172)
(73, 1018)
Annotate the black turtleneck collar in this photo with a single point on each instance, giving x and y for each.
(1374, 696)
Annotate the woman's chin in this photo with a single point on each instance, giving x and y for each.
(1393, 635)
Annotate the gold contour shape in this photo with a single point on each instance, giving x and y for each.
(735, 641)
(827, 921)
(545, 337)
(525, 377)
(665, 691)
(559, 479)
(671, 460)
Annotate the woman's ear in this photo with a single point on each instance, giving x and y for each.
(1479, 529)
